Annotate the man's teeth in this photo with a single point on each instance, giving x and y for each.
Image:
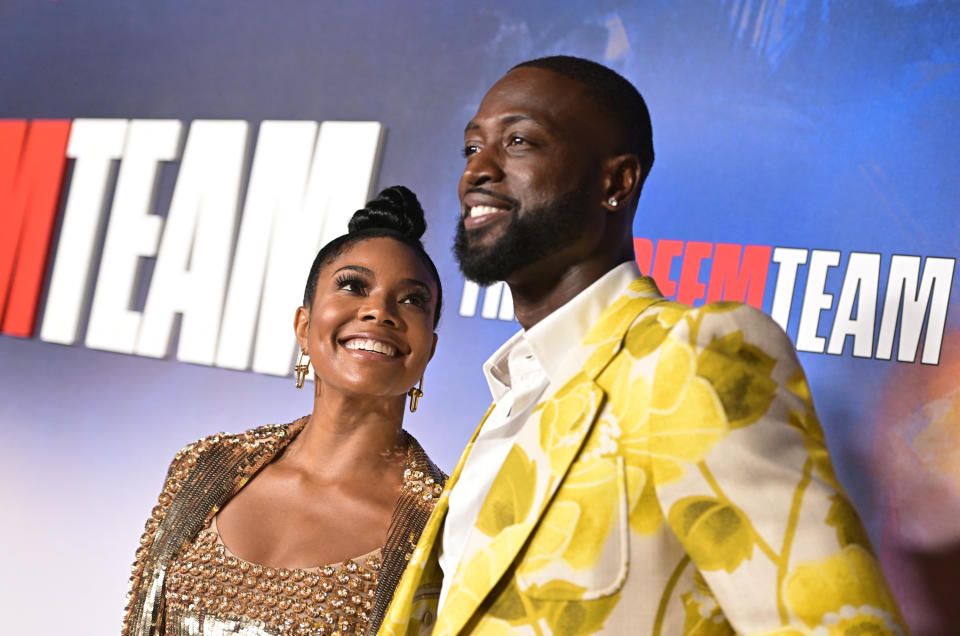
(365, 344)
(483, 210)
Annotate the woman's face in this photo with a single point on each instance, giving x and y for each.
(370, 329)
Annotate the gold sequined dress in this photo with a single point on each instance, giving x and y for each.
(186, 582)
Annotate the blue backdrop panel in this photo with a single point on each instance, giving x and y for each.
(819, 126)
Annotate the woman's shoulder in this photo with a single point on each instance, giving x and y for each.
(266, 437)
(421, 469)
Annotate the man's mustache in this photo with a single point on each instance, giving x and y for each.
(513, 203)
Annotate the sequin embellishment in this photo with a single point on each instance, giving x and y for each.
(183, 585)
(206, 582)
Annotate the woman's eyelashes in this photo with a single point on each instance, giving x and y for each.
(357, 285)
(417, 299)
(351, 283)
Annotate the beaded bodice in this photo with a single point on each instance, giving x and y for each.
(210, 587)
(185, 582)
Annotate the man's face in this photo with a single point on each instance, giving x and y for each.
(531, 192)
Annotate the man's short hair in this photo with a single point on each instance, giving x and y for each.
(613, 93)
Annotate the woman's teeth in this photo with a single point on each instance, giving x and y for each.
(365, 344)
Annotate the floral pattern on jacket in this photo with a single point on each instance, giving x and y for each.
(678, 482)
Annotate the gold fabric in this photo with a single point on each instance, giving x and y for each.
(209, 586)
(185, 583)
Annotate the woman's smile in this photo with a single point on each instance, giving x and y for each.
(362, 346)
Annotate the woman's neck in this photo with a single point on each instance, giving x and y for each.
(349, 434)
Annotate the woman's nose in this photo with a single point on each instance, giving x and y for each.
(379, 310)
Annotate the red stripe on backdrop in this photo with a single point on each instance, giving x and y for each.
(732, 280)
(32, 159)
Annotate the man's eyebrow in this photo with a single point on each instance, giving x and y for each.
(510, 119)
(356, 268)
(506, 120)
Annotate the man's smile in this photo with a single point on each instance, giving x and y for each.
(482, 207)
(481, 215)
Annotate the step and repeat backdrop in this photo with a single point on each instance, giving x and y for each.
(167, 171)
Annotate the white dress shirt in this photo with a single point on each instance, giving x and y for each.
(518, 373)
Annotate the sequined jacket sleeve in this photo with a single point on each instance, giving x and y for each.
(182, 462)
(201, 478)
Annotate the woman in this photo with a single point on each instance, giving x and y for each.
(305, 528)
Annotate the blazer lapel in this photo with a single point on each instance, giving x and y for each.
(398, 614)
(538, 461)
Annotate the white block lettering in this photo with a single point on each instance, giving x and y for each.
(902, 290)
(94, 144)
(860, 284)
(815, 300)
(789, 259)
(194, 256)
(278, 182)
(132, 233)
(341, 177)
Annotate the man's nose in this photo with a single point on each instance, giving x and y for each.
(483, 166)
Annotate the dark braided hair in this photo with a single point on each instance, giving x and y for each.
(394, 213)
(615, 94)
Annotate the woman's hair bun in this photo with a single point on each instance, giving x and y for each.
(396, 208)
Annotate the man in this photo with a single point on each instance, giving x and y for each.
(646, 467)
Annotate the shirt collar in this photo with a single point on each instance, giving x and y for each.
(555, 338)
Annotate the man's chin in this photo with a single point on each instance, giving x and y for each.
(487, 255)
(480, 270)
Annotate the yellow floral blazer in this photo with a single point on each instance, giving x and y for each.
(676, 483)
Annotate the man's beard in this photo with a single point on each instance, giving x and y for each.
(524, 241)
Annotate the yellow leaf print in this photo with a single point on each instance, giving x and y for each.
(645, 515)
(600, 356)
(844, 518)
(797, 384)
(562, 417)
(813, 439)
(670, 424)
(845, 592)
(577, 530)
(715, 534)
(703, 616)
(670, 313)
(614, 320)
(554, 533)
(593, 487)
(558, 617)
(740, 374)
(674, 372)
(509, 499)
(646, 336)
(476, 577)
(686, 433)
(721, 307)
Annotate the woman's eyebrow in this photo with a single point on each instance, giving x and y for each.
(356, 268)
(418, 283)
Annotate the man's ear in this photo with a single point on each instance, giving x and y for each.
(624, 174)
(301, 326)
